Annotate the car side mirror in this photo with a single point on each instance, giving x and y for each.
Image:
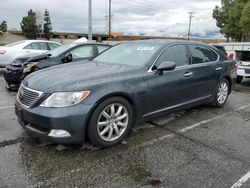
(67, 58)
(166, 66)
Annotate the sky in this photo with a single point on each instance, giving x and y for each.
(136, 17)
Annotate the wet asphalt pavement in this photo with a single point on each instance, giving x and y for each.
(202, 147)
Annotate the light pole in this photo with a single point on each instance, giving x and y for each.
(109, 17)
(90, 21)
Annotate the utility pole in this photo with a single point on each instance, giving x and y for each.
(90, 21)
(109, 17)
(190, 22)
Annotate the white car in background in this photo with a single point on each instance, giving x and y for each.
(11, 51)
(241, 53)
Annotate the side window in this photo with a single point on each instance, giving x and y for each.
(53, 45)
(177, 54)
(202, 54)
(44, 46)
(37, 46)
(29, 47)
(101, 48)
(82, 52)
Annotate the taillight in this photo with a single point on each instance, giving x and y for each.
(230, 56)
(2, 52)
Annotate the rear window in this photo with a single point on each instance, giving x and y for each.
(53, 45)
(243, 55)
(202, 54)
(221, 48)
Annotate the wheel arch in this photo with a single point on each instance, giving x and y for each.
(230, 82)
(115, 94)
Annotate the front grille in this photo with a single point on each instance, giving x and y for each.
(28, 96)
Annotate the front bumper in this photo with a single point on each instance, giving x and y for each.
(40, 121)
(13, 75)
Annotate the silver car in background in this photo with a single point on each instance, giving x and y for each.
(11, 51)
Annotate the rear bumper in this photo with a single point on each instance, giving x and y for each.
(39, 121)
(243, 71)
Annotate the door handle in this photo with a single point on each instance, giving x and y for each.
(188, 74)
(218, 68)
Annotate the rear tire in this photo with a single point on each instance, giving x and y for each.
(221, 94)
(239, 79)
(110, 122)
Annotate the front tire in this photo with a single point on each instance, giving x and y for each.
(110, 122)
(222, 93)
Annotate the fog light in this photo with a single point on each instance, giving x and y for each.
(59, 133)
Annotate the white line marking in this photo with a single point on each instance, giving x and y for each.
(201, 123)
(241, 181)
(210, 120)
(6, 107)
(164, 137)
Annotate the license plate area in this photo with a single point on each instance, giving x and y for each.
(247, 71)
(19, 112)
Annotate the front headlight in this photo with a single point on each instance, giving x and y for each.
(63, 99)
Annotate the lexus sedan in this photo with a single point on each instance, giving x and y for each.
(11, 51)
(17, 70)
(102, 99)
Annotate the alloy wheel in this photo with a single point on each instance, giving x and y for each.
(222, 93)
(112, 122)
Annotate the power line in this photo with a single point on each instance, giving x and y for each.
(190, 22)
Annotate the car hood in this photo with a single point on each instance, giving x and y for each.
(38, 57)
(74, 76)
(26, 59)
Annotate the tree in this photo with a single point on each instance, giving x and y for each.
(221, 16)
(29, 26)
(3, 26)
(245, 20)
(234, 26)
(47, 27)
(228, 18)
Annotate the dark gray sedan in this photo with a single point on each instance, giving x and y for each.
(104, 98)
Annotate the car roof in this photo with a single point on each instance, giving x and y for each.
(29, 41)
(169, 41)
(89, 43)
(23, 43)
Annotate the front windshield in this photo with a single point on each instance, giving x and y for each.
(57, 51)
(131, 53)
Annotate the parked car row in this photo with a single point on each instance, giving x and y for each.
(102, 98)
(14, 50)
(18, 69)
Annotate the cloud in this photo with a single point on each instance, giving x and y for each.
(150, 17)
